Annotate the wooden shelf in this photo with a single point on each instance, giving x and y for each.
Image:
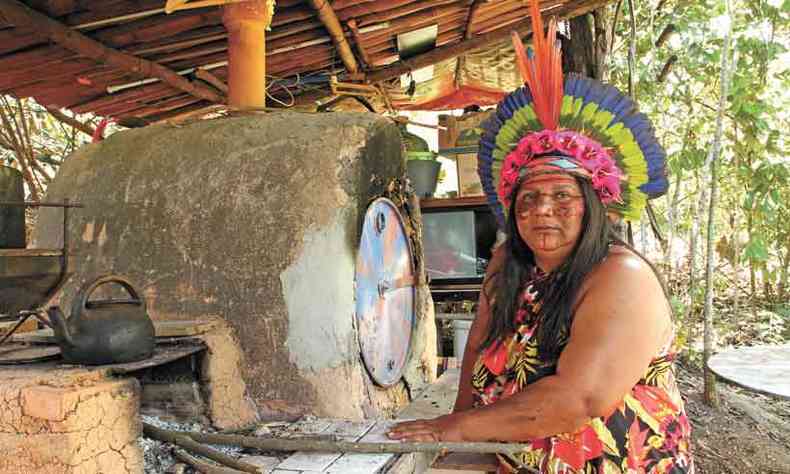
(462, 202)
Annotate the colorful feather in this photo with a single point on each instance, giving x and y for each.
(541, 68)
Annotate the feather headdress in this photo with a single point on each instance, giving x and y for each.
(573, 124)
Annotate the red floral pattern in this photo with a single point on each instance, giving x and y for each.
(646, 433)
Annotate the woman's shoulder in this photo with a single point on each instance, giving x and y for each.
(622, 269)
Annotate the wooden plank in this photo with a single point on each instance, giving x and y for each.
(472, 201)
(467, 462)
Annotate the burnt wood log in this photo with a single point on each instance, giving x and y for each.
(185, 441)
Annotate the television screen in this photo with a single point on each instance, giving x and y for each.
(457, 243)
(449, 244)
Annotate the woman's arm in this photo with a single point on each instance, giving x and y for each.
(477, 334)
(619, 325)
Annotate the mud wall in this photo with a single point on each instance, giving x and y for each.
(255, 219)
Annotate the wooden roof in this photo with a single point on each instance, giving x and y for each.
(193, 43)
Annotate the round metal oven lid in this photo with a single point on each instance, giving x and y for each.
(384, 293)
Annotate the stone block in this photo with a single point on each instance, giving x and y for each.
(83, 426)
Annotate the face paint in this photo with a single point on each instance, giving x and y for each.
(549, 212)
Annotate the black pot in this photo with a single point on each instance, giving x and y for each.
(12, 218)
(423, 175)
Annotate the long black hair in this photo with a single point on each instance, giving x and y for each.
(558, 291)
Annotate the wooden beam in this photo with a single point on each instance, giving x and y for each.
(205, 75)
(453, 50)
(21, 15)
(328, 17)
(471, 18)
(352, 25)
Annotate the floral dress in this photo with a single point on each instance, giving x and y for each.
(647, 432)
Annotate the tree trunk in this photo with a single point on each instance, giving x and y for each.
(601, 22)
(785, 265)
(632, 51)
(691, 320)
(671, 217)
(577, 52)
(736, 259)
(711, 397)
(752, 270)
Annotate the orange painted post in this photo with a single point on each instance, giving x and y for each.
(246, 23)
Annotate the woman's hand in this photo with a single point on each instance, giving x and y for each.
(443, 428)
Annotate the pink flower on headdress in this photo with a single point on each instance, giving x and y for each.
(513, 164)
(543, 141)
(524, 147)
(569, 143)
(607, 184)
(585, 152)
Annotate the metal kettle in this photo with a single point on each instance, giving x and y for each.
(104, 331)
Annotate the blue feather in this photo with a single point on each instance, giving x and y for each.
(611, 97)
(625, 106)
(655, 188)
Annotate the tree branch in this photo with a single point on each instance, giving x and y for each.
(70, 121)
(184, 439)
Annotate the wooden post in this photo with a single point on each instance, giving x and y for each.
(246, 23)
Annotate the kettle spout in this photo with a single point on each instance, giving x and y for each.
(58, 322)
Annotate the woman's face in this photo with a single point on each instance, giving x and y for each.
(549, 212)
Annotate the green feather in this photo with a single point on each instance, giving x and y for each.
(602, 119)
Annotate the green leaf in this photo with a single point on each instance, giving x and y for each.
(756, 251)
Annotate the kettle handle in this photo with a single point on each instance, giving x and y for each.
(86, 292)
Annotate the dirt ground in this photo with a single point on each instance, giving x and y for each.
(748, 434)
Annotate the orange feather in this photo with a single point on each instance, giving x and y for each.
(543, 71)
(521, 55)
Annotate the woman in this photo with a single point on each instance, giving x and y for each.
(571, 351)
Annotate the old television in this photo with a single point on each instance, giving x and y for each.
(458, 237)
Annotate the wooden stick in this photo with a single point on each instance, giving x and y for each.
(202, 466)
(279, 444)
(205, 75)
(352, 26)
(23, 16)
(184, 440)
(328, 17)
(70, 121)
